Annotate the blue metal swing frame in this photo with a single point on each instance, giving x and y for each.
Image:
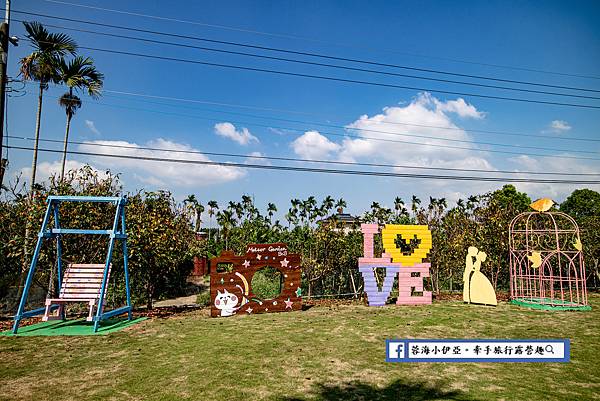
(118, 232)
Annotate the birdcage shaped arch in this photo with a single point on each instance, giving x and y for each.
(546, 262)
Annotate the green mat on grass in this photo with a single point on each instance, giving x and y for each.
(79, 327)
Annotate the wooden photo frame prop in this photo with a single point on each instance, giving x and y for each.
(231, 281)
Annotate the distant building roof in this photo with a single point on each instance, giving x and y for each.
(343, 218)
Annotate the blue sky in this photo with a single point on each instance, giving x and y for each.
(552, 36)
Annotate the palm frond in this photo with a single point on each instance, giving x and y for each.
(81, 74)
(44, 62)
(70, 102)
(46, 42)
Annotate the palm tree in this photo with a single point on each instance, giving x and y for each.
(271, 208)
(292, 216)
(472, 202)
(194, 210)
(212, 206)
(226, 221)
(77, 74)
(247, 205)
(340, 205)
(415, 204)
(199, 211)
(237, 208)
(328, 204)
(398, 206)
(42, 66)
(309, 206)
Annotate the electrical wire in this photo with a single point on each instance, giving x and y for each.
(402, 134)
(370, 138)
(307, 53)
(318, 40)
(183, 100)
(161, 42)
(269, 109)
(301, 160)
(335, 79)
(363, 137)
(318, 170)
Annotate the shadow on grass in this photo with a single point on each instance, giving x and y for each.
(398, 390)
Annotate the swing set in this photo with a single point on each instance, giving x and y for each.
(80, 282)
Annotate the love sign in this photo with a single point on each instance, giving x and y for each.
(405, 249)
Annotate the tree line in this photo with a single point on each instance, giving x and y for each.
(163, 240)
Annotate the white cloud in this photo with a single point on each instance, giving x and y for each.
(553, 164)
(90, 124)
(389, 138)
(257, 158)
(47, 169)
(558, 127)
(159, 173)
(227, 130)
(399, 135)
(460, 107)
(312, 145)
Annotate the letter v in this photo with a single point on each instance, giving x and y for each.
(376, 297)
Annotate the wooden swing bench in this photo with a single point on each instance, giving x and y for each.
(80, 283)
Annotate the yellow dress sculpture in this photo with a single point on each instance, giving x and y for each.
(471, 253)
(477, 288)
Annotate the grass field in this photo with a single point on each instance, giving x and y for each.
(326, 352)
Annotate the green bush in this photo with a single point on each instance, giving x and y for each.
(161, 241)
(267, 283)
(203, 299)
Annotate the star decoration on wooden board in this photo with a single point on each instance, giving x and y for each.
(288, 304)
(284, 262)
(249, 310)
(246, 263)
(258, 256)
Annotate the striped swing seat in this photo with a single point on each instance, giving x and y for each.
(80, 283)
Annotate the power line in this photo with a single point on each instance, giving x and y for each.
(183, 100)
(302, 53)
(347, 68)
(347, 135)
(370, 138)
(336, 79)
(302, 160)
(237, 29)
(319, 170)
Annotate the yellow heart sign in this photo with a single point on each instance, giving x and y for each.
(407, 244)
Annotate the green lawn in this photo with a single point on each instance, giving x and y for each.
(326, 352)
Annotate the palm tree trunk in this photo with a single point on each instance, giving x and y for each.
(37, 139)
(64, 158)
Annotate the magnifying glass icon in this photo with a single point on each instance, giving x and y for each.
(549, 349)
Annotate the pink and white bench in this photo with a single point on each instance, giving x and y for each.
(80, 283)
